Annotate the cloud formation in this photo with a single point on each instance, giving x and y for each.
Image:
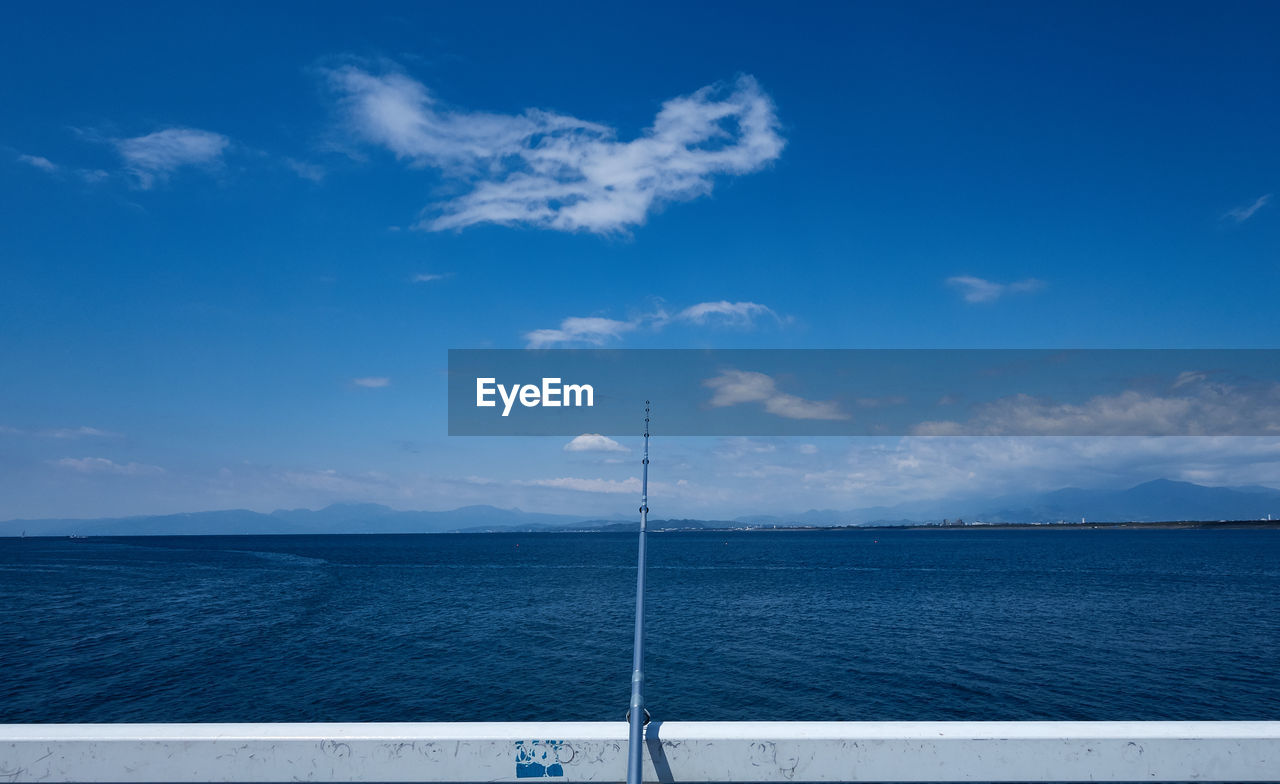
(101, 465)
(61, 432)
(1244, 213)
(589, 330)
(629, 486)
(307, 171)
(338, 484)
(741, 314)
(78, 432)
(372, 382)
(1193, 405)
(44, 164)
(553, 171)
(594, 442)
(153, 157)
(735, 447)
(914, 469)
(596, 331)
(978, 290)
(733, 387)
(49, 167)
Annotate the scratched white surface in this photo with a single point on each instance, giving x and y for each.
(675, 751)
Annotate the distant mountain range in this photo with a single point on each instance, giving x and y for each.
(1159, 500)
(335, 519)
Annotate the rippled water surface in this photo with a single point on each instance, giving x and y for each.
(860, 625)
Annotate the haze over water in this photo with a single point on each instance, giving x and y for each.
(854, 625)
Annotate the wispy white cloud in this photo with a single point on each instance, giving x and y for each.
(428, 277)
(981, 290)
(734, 387)
(42, 163)
(881, 402)
(591, 330)
(338, 484)
(1193, 405)
(594, 442)
(554, 171)
(155, 156)
(1245, 212)
(596, 331)
(629, 486)
(307, 171)
(1187, 377)
(735, 447)
(914, 469)
(372, 382)
(49, 167)
(101, 465)
(740, 314)
(78, 432)
(61, 432)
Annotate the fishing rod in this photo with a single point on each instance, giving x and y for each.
(638, 716)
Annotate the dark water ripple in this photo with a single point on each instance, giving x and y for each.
(798, 625)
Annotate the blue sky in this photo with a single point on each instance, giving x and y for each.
(235, 244)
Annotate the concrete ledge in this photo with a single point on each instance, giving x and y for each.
(675, 752)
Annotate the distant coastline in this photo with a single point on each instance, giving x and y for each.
(660, 527)
(1167, 525)
(1158, 504)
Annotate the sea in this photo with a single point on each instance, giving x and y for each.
(866, 624)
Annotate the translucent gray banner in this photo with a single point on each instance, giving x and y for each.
(564, 392)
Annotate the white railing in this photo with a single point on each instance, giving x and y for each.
(763, 751)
